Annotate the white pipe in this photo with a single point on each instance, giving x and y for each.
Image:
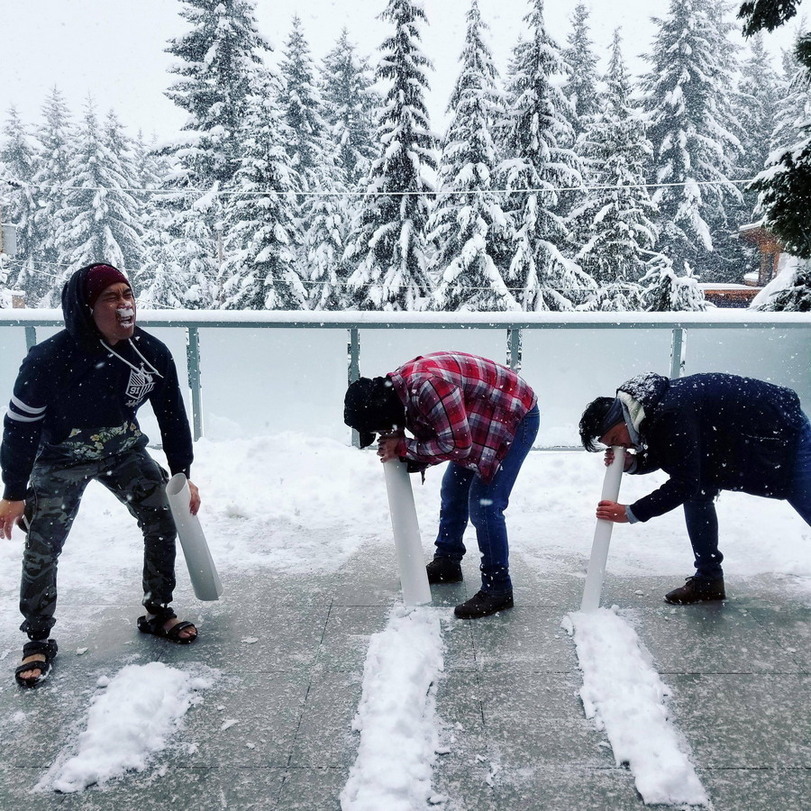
(413, 577)
(203, 573)
(602, 535)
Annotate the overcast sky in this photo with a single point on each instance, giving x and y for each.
(114, 49)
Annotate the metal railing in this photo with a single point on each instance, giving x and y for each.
(514, 326)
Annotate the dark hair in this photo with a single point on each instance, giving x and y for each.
(592, 422)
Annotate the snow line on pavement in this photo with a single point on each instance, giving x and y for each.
(625, 697)
(396, 715)
(132, 717)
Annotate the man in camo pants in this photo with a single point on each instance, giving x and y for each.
(72, 419)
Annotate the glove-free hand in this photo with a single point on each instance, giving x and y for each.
(612, 511)
(10, 514)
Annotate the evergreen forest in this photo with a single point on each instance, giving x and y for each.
(298, 183)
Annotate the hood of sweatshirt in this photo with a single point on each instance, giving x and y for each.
(78, 314)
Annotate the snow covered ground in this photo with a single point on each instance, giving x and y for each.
(258, 494)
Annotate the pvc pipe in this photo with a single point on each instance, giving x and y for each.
(413, 577)
(203, 573)
(602, 535)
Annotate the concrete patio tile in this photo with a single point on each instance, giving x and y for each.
(312, 789)
(745, 720)
(256, 789)
(246, 722)
(345, 639)
(763, 789)
(529, 636)
(567, 788)
(325, 738)
(711, 638)
(285, 658)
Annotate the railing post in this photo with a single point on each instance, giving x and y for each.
(514, 346)
(353, 368)
(193, 364)
(30, 337)
(678, 351)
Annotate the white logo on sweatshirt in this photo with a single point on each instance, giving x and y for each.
(138, 386)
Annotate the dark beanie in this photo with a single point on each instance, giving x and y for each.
(98, 278)
(372, 404)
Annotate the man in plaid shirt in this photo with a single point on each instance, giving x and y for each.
(482, 418)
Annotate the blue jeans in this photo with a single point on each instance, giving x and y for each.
(464, 496)
(702, 522)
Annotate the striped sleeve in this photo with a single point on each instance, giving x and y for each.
(22, 427)
(22, 412)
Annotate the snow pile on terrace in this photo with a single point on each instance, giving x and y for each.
(396, 716)
(133, 718)
(626, 698)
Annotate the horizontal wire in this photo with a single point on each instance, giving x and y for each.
(415, 193)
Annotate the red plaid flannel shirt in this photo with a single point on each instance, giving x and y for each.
(460, 408)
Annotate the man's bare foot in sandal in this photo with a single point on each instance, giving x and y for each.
(168, 626)
(188, 631)
(36, 664)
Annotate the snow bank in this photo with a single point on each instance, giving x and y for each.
(396, 716)
(129, 721)
(625, 697)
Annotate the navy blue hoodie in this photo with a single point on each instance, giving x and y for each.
(712, 432)
(75, 400)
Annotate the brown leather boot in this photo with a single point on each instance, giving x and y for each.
(697, 590)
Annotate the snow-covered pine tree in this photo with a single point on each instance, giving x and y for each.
(216, 60)
(757, 106)
(56, 137)
(161, 283)
(730, 258)
(694, 148)
(319, 212)
(325, 241)
(665, 291)
(259, 271)
(793, 295)
(758, 112)
(189, 251)
(536, 137)
(123, 148)
(19, 154)
(101, 217)
(614, 225)
(388, 250)
(351, 107)
(784, 186)
(301, 105)
(793, 107)
(150, 170)
(581, 71)
(467, 225)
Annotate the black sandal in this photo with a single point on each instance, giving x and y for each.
(45, 647)
(155, 627)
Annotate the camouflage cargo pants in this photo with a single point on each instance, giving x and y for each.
(138, 482)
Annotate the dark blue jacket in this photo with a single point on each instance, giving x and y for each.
(74, 401)
(713, 432)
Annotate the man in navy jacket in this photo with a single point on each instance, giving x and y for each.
(708, 432)
(72, 419)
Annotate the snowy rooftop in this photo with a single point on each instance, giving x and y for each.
(312, 688)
